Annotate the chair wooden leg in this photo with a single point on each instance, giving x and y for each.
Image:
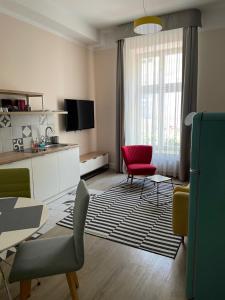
(76, 280)
(25, 289)
(72, 286)
(182, 239)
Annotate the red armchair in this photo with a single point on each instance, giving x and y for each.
(138, 160)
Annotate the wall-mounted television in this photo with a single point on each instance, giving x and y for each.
(80, 114)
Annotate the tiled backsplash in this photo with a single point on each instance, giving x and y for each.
(17, 132)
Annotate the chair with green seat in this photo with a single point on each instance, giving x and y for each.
(15, 183)
(180, 210)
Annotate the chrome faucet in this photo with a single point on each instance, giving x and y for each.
(47, 138)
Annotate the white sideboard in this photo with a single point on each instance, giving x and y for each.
(92, 161)
(52, 173)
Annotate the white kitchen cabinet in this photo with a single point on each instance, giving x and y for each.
(69, 168)
(45, 176)
(26, 163)
(51, 174)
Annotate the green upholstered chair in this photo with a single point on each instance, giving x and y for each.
(15, 183)
(58, 255)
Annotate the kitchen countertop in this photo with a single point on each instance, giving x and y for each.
(13, 156)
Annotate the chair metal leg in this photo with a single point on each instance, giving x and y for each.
(132, 177)
(4, 279)
(72, 286)
(25, 289)
(157, 192)
(5, 284)
(172, 183)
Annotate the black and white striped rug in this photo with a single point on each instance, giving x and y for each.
(120, 215)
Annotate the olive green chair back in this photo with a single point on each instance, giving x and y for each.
(15, 183)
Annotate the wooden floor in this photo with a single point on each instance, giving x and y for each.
(113, 271)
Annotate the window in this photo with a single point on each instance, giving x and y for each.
(153, 83)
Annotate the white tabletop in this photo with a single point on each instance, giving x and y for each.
(11, 238)
(158, 178)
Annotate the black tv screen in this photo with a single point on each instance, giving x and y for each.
(80, 114)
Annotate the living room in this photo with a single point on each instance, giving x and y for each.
(59, 50)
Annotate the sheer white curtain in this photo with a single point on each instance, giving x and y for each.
(153, 83)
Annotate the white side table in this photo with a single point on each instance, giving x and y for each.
(157, 179)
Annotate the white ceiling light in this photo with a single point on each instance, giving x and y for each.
(147, 24)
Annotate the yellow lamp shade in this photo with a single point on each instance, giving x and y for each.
(147, 25)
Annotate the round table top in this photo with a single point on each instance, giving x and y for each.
(30, 220)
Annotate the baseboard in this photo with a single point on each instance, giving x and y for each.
(95, 172)
(112, 166)
(61, 194)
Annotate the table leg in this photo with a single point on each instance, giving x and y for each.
(142, 188)
(172, 183)
(5, 284)
(157, 193)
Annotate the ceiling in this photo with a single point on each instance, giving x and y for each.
(104, 13)
(82, 19)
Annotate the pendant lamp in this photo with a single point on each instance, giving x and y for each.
(147, 24)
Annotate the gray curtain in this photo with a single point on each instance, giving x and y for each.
(189, 95)
(119, 106)
(180, 19)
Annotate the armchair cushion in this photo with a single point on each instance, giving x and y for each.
(141, 169)
(182, 188)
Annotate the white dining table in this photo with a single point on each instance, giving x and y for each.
(15, 236)
(19, 221)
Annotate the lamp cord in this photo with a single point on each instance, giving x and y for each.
(145, 12)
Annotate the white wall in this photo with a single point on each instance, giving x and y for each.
(211, 74)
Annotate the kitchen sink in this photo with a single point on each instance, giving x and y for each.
(48, 146)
